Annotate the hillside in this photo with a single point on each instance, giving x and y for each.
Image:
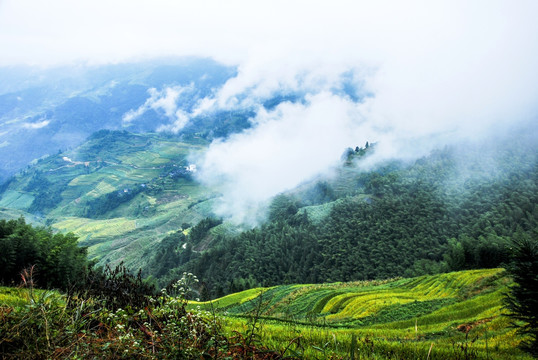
(134, 198)
(444, 212)
(401, 317)
(118, 192)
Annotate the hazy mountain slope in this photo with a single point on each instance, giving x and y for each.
(44, 110)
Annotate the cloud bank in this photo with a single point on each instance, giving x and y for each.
(286, 146)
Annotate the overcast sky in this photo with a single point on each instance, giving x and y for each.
(433, 70)
(53, 31)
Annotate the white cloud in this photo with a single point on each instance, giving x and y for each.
(288, 145)
(181, 118)
(36, 125)
(165, 101)
(437, 74)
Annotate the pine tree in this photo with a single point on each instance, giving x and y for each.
(522, 301)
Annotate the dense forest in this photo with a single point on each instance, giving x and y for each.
(56, 260)
(436, 214)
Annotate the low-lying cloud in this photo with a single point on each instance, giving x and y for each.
(36, 125)
(287, 145)
(165, 102)
(428, 80)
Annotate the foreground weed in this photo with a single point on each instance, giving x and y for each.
(49, 327)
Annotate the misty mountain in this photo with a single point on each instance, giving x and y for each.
(175, 166)
(46, 110)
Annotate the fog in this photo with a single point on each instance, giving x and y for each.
(424, 83)
(410, 76)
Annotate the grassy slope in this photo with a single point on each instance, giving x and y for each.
(402, 316)
(99, 167)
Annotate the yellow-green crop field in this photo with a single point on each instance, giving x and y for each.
(16, 200)
(101, 188)
(447, 316)
(144, 159)
(84, 227)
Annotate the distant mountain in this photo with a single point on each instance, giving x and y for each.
(46, 110)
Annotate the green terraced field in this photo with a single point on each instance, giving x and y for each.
(106, 165)
(398, 318)
(16, 200)
(86, 229)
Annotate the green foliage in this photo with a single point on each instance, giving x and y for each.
(168, 254)
(321, 193)
(200, 230)
(522, 300)
(46, 196)
(59, 261)
(105, 203)
(282, 208)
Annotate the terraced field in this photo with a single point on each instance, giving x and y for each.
(16, 200)
(151, 165)
(87, 229)
(447, 316)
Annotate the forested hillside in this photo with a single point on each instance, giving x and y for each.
(438, 213)
(59, 262)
